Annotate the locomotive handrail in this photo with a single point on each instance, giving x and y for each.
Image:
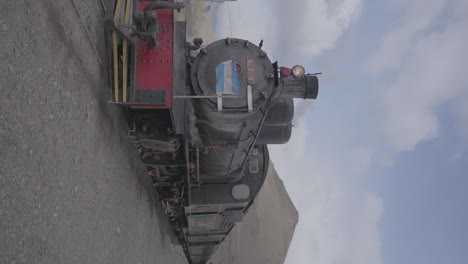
(117, 28)
(268, 105)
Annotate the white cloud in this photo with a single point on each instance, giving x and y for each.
(427, 55)
(398, 43)
(462, 112)
(289, 28)
(338, 224)
(338, 217)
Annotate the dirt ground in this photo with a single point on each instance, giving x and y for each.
(71, 187)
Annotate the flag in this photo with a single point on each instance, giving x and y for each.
(227, 79)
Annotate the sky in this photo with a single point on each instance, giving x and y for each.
(378, 165)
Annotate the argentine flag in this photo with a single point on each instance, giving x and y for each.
(227, 79)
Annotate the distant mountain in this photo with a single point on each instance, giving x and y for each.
(266, 232)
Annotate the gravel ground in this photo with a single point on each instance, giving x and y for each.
(71, 187)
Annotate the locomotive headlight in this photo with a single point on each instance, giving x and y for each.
(298, 71)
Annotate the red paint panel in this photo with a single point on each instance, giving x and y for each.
(154, 64)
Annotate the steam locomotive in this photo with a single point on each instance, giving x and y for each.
(200, 115)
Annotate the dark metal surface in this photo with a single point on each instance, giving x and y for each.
(281, 113)
(279, 134)
(213, 211)
(146, 21)
(157, 97)
(217, 194)
(306, 87)
(312, 87)
(179, 77)
(204, 77)
(164, 5)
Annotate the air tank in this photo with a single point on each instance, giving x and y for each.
(281, 113)
(275, 134)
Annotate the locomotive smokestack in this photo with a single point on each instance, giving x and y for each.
(306, 87)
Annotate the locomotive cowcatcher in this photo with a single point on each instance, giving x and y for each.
(200, 116)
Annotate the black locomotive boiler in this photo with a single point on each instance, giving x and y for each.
(200, 116)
